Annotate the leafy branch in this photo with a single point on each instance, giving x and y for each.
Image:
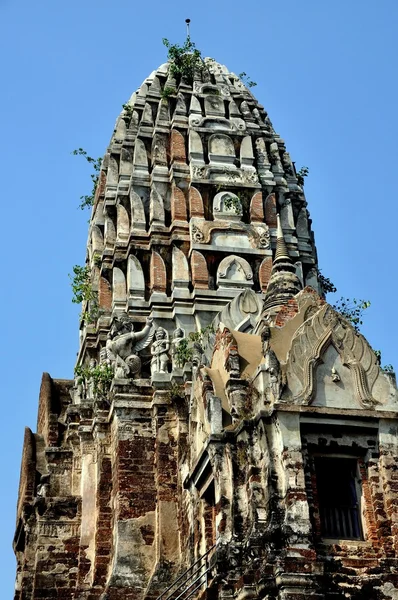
(83, 292)
(100, 376)
(246, 80)
(352, 310)
(301, 174)
(167, 92)
(88, 200)
(128, 109)
(184, 60)
(326, 284)
(184, 350)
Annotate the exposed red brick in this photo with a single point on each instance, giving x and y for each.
(287, 312)
(195, 203)
(157, 273)
(264, 272)
(257, 208)
(200, 273)
(270, 211)
(178, 205)
(177, 147)
(104, 293)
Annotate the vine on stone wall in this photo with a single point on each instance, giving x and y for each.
(87, 201)
(83, 292)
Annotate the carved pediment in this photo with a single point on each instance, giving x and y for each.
(309, 346)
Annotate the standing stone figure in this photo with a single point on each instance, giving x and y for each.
(178, 336)
(90, 380)
(159, 351)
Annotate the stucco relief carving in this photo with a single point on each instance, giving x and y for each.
(234, 271)
(228, 232)
(160, 351)
(312, 340)
(123, 345)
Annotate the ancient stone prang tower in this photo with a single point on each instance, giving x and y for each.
(228, 435)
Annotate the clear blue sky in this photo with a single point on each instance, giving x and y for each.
(327, 75)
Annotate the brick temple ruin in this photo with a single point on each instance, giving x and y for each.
(228, 434)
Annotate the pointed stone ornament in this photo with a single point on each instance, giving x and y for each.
(283, 283)
(110, 233)
(195, 107)
(97, 240)
(122, 223)
(246, 152)
(281, 248)
(135, 278)
(180, 272)
(147, 118)
(126, 163)
(156, 209)
(155, 86)
(140, 158)
(112, 177)
(120, 132)
(163, 114)
(119, 294)
(137, 212)
(195, 147)
(234, 110)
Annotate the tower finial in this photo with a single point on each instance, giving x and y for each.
(188, 21)
(281, 248)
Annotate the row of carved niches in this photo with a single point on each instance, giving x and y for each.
(223, 95)
(162, 204)
(247, 152)
(252, 155)
(131, 282)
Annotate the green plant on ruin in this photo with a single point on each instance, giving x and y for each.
(100, 376)
(83, 292)
(246, 80)
(128, 110)
(233, 203)
(352, 310)
(176, 392)
(326, 284)
(388, 368)
(184, 351)
(202, 335)
(301, 174)
(87, 201)
(184, 60)
(167, 92)
(97, 260)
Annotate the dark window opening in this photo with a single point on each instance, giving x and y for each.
(339, 497)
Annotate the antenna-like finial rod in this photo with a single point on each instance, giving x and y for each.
(187, 21)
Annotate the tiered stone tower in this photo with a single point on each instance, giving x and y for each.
(224, 420)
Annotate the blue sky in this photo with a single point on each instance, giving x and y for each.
(327, 75)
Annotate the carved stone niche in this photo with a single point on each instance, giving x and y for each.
(227, 206)
(221, 149)
(234, 272)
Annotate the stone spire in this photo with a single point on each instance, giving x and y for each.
(284, 282)
(182, 236)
